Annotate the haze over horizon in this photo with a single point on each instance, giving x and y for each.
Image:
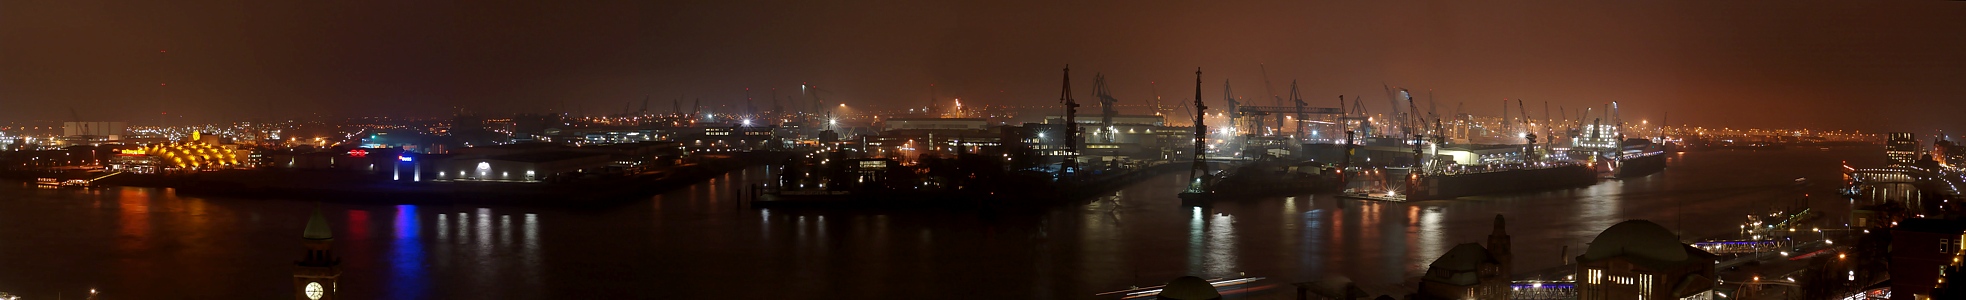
(1886, 66)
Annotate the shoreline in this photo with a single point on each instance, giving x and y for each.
(348, 187)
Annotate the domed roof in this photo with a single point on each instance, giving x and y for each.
(317, 228)
(1189, 288)
(1639, 238)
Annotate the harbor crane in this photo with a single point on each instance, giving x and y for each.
(1278, 100)
(1358, 112)
(1229, 96)
(1070, 167)
(1303, 122)
(1412, 111)
(1106, 108)
(1392, 101)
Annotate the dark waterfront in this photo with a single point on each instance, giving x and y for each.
(699, 243)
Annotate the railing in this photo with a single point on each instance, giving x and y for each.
(1543, 290)
(1741, 247)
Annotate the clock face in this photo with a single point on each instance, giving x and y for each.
(314, 290)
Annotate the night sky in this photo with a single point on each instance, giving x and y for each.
(1873, 66)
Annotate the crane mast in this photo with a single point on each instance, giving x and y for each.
(1201, 133)
(1297, 99)
(1229, 96)
(1106, 108)
(1070, 166)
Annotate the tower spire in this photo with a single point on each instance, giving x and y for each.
(318, 269)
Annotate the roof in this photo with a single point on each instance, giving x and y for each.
(1464, 257)
(524, 146)
(1931, 225)
(1459, 265)
(1640, 239)
(937, 119)
(1481, 147)
(1692, 284)
(1189, 288)
(535, 157)
(317, 228)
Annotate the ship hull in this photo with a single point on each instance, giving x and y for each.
(1640, 166)
(1454, 186)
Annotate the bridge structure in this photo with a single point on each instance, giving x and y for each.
(1743, 246)
(1889, 175)
(1909, 182)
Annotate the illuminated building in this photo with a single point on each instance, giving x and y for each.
(523, 167)
(109, 131)
(1902, 148)
(190, 155)
(1948, 153)
(1600, 136)
(1470, 271)
(1640, 259)
(725, 138)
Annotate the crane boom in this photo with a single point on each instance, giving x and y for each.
(1229, 96)
(1106, 101)
(1393, 102)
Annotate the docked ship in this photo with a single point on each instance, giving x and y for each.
(1637, 157)
(1502, 178)
(1531, 168)
(1277, 177)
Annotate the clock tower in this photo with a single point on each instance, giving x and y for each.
(316, 271)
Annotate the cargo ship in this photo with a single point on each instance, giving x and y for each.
(1277, 177)
(1637, 157)
(1636, 165)
(1499, 179)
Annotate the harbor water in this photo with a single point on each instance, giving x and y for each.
(701, 242)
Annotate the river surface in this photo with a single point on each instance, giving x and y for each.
(698, 242)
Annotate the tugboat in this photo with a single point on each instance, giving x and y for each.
(1201, 189)
(1372, 186)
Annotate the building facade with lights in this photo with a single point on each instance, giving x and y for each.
(1901, 148)
(1640, 259)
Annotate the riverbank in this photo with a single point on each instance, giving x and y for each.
(358, 187)
(1032, 194)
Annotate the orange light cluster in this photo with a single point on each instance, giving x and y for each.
(192, 155)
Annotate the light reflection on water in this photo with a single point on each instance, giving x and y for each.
(407, 259)
(1211, 243)
(695, 243)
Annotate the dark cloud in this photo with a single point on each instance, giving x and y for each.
(1870, 66)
